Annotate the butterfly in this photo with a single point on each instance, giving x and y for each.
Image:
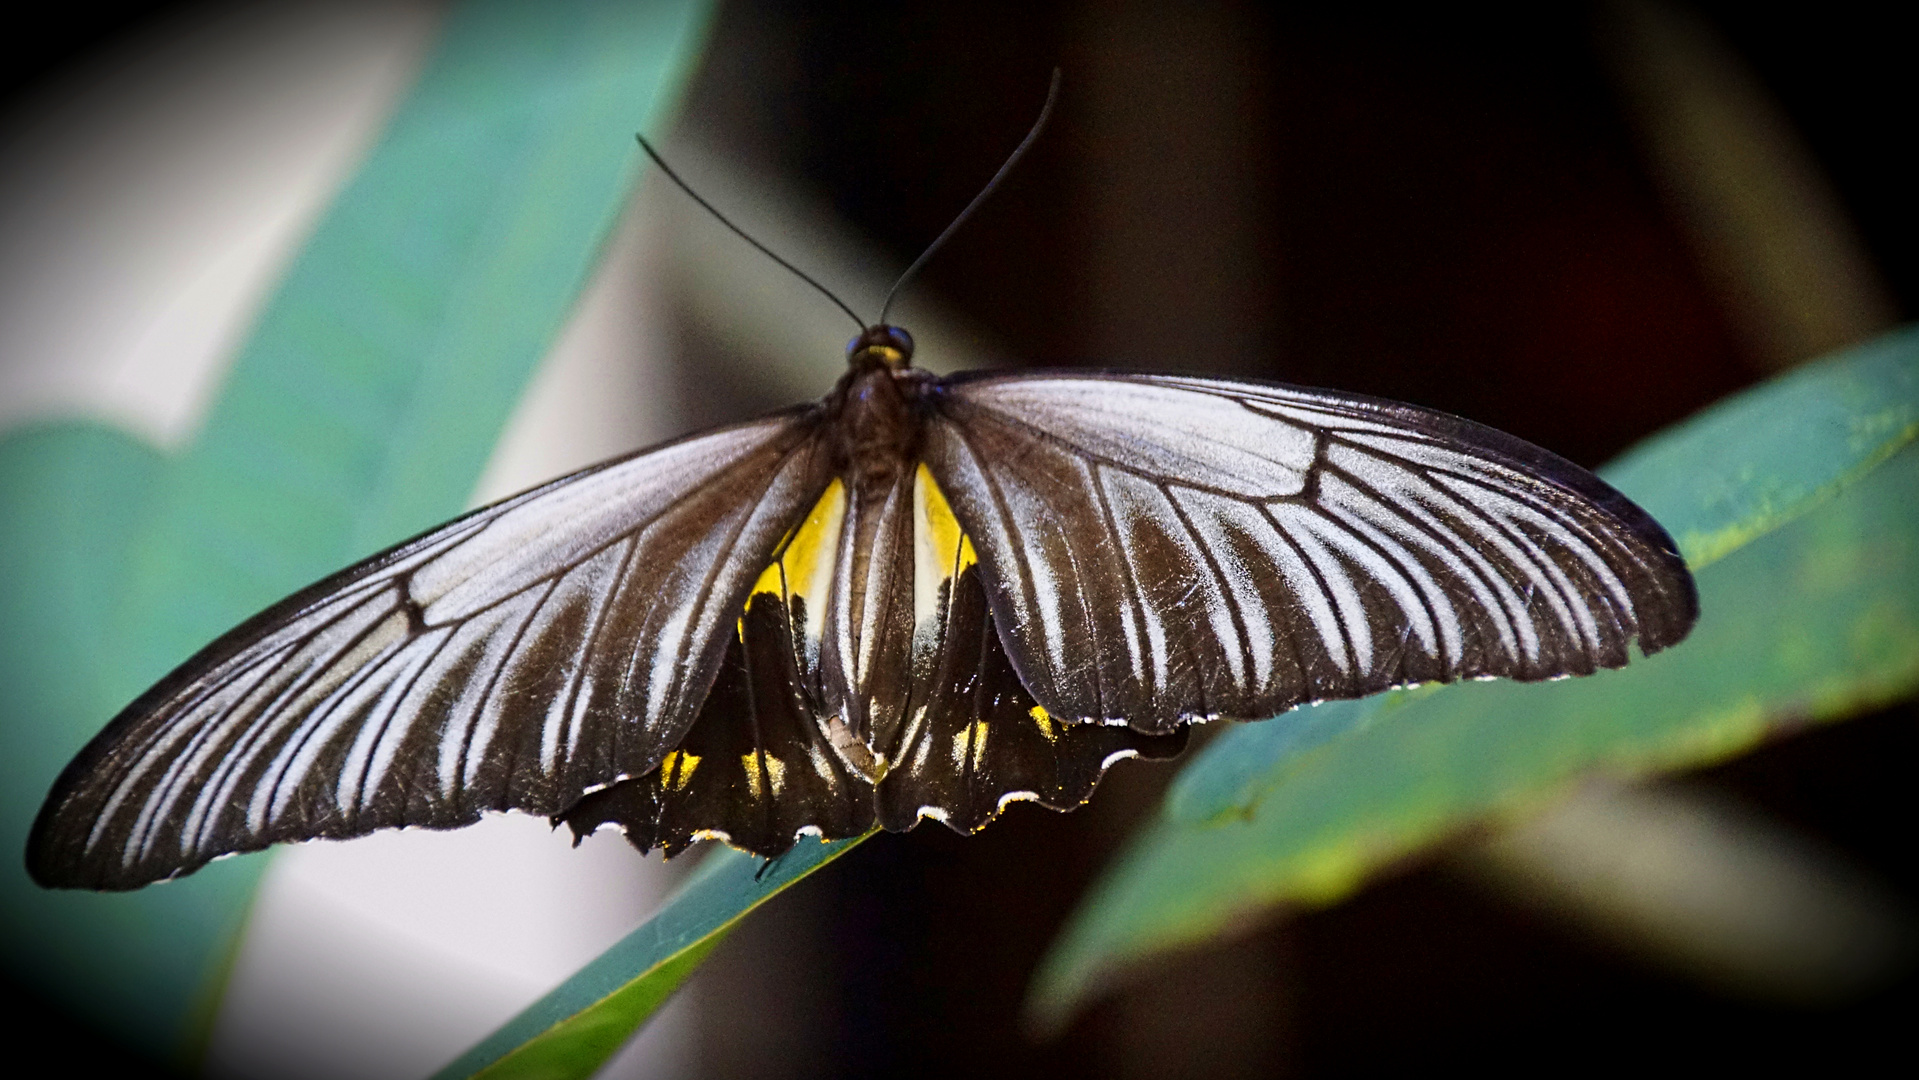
(919, 597)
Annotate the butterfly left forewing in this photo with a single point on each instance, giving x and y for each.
(1160, 549)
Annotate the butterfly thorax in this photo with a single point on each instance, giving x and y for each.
(877, 426)
(876, 418)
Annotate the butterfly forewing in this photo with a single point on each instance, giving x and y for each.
(1161, 549)
(515, 658)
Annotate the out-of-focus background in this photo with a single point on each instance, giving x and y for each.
(1575, 223)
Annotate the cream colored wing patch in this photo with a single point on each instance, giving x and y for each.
(940, 548)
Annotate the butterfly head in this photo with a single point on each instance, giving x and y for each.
(888, 345)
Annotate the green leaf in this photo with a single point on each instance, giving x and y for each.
(361, 409)
(1755, 461)
(572, 1031)
(1805, 616)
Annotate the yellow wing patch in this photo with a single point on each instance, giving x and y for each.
(1044, 721)
(805, 566)
(941, 549)
(970, 741)
(773, 779)
(676, 769)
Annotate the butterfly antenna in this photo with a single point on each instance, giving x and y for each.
(742, 234)
(1045, 112)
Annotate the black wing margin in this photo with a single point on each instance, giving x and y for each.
(1161, 549)
(515, 658)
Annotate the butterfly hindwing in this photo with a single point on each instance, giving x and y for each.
(953, 735)
(1160, 549)
(977, 740)
(756, 769)
(514, 658)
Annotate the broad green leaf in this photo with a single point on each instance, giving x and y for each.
(1803, 498)
(361, 409)
(1759, 459)
(572, 1031)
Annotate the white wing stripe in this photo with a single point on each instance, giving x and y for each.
(162, 752)
(590, 585)
(461, 665)
(205, 717)
(1132, 500)
(1408, 520)
(1437, 605)
(570, 522)
(580, 685)
(284, 776)
(1132, 612)
(493, 701)
(1220, 610)
(1218, 517)
(1385, 570)
(1543, 575)
(1306, 587)
(360, 772)
(1301, 527)
(1423, 504)
(292, 677)
(1572, 539)
(1202, 437)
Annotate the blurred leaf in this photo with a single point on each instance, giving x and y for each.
(572, 1031)
(361, 410)
(1758, 459)
(1805, 616)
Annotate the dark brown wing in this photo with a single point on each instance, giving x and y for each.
(1161, 549)
(517, 657)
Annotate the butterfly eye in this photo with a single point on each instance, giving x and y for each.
(889, 343)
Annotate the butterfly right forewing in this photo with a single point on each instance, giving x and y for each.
(517, 658)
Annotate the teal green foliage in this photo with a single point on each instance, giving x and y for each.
(361, 410)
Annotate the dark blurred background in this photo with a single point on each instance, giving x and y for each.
(1511, 213)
